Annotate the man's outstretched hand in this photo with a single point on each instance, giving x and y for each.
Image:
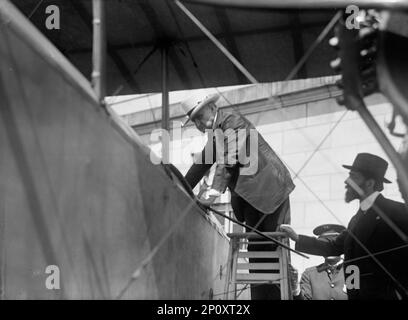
(207, 202)
(287, 229)
(210, 197)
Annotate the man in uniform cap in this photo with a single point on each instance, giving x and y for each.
(325, 281)
(375, 241)
(259, 197)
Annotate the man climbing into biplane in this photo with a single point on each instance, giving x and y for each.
(259, 186)
(375, 243)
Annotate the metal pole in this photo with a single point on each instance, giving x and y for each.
(165, 104)
(382, 139)
(99, 49)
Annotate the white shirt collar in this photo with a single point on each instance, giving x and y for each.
(368, 202)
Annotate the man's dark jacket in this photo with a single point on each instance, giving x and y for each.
(265, 188)
(378, 238)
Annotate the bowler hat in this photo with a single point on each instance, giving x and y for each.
(327, 230)
(371, 165)
(195, 103)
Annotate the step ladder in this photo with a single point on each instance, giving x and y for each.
(239, 265)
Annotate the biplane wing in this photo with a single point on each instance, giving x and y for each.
(267, 43)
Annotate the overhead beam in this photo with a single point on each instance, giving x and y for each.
(231, 44)
(297, 38)
(116, 58)
(221, 35)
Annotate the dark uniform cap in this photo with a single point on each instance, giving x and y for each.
(328, 230)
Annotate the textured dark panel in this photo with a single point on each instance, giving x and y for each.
(267, 42)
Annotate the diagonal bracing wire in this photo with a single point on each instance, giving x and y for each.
(320, 38)
(355, 238)
(246, 287)
(234, 61)
(272, 98)
(404, 246)
(328, 134)
(146, 261)
(35, 9)
(250, 77)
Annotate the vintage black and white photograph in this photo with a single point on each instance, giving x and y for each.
(211, 150)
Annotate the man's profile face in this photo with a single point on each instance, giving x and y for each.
(204, 118)
(355, 186)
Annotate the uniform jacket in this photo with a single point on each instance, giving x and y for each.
(323, 283)
(264, 188)
(374, 234)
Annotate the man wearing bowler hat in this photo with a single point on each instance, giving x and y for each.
(375, 243)
(325, 281)
(259, 188)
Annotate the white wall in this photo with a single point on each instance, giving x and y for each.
(319, 193)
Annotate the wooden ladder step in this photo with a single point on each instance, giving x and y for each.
(257, 277)
(256, 242)
(259, 254)
(258, 266)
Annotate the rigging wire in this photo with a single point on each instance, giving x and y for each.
(146, 261)
(260, 233)
(317, 148)
(377, 253)
(355, 238)
(252, 79)
(35, 9)
(272, 98)
(246, 287)
(301, 62)
(320, 38)
(234, 61)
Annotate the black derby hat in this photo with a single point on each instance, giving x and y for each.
(371, 165)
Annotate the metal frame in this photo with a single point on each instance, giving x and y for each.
(306, 4)
(99, 49)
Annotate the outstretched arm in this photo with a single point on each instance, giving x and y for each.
(312, 245)
(199, 168)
